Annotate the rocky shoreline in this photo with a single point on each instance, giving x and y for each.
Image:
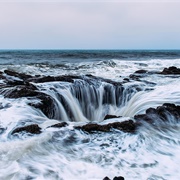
(18, 85)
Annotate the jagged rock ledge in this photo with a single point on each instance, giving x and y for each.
(171, 71)
(152, 116)
(33, 129)
(125, 126)
(160, 114)
(15, 78)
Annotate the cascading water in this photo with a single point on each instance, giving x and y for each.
(85, 100)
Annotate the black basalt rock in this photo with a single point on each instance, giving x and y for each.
(170, 71)
(59, 125)
(125, 126)
(160, 114)
(46, 104)
(33, 129)
(109, 116)
(118, 178)
(43, 79)
(16, 74)
(141, 71)
(21, 91)
(115, 178)
(106, 178)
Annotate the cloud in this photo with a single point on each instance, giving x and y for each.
(89, 25)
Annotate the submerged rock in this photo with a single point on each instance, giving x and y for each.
(33, 129)
(125, 126)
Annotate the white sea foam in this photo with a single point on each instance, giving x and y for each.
(152, 153)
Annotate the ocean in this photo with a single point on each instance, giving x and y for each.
(89, 114)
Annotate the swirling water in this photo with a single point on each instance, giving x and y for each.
(67, 153)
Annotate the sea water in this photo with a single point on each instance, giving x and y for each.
(67, 153)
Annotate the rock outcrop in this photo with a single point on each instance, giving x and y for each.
(33, 129)
(160, 114)
(125, 126)
(171, 71)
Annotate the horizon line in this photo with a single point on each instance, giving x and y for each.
(79, 49)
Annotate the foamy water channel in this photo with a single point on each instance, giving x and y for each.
(67, 153)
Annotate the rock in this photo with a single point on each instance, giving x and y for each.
(46, 105)
(33, 129)
(21, 91)
(103, 80)
(160, 114)
(141, 71)
(52, 79)
(16, 74)
(59, 125)
(134, 77)
(94, 127)
(106, 178)
(118, 178)
(115, 178)
(126, 80)
(108, 116)
(125, 126)
(170, 71)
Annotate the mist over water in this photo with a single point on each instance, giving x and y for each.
(152, 153)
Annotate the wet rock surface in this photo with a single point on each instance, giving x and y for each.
(59, 125)
(170, 71)
(160, 114)
(125, 126)
(46, 104)
(152, 116)
(18, 85)
(33, 129)
(115, 178)
(36, 129)
(16, 74)
(53, 79)
(118, 178)
(109, 116)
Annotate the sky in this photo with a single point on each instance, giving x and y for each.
(90, 24)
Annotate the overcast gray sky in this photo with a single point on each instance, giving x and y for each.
(90, 24)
